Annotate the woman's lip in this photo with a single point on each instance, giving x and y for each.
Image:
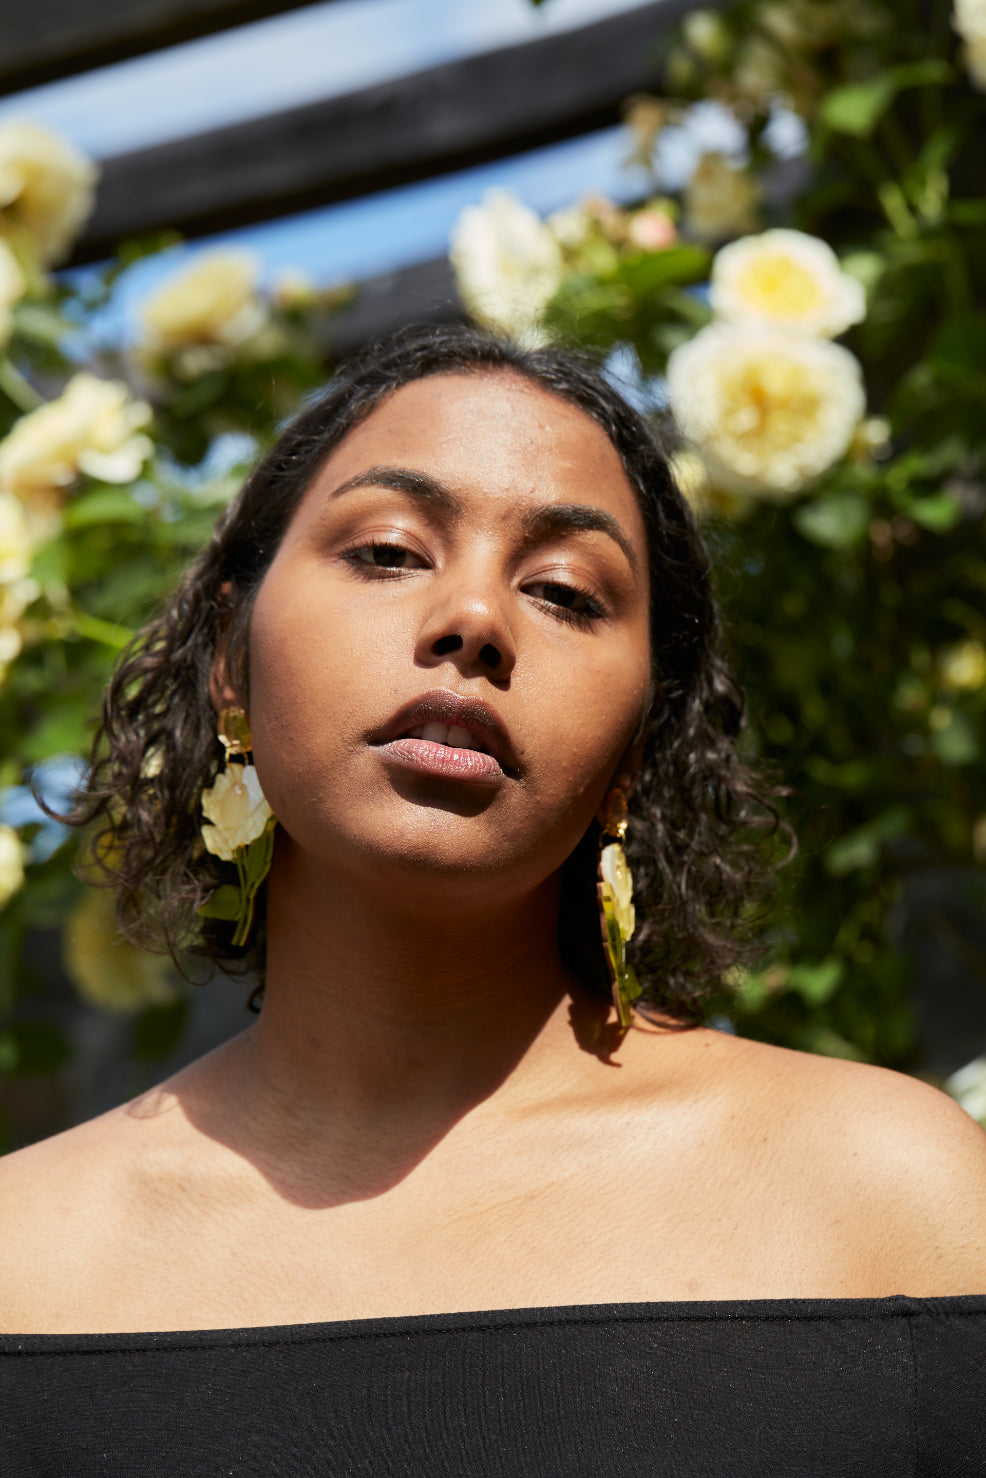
(442, 762)
(443, 706)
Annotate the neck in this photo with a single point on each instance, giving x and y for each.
(383, 1025)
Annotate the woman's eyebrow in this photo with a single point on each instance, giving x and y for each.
(549, 521)
(403, 480)
(574, 518)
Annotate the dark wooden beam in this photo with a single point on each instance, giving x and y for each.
(43, 40)
(423, 292)
(449, 117)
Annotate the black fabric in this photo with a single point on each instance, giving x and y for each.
(845, 1388)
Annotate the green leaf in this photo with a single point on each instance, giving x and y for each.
(862, 847)
(224, 904)
(835, 522)
(938, 514)
(39, 322)
(816, 983)
(957, 742)
(857, 107)
(652, 271)
(104, 505)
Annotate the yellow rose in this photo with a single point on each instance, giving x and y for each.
(236, 806)
(618, 887)
(787, 278)
(47, 188)
(721, 199)
(105, 969)
(969, 19)
(768, 411)
(507, 263)
(12, 287)
(11, 864)
(93, 427)
(212, 302)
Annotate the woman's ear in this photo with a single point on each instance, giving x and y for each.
(222, 690)
(624, 777)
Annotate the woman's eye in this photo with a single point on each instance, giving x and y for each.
(569, 602)
(382, 556)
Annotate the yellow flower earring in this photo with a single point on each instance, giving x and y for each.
(616, 911)
(239, 827)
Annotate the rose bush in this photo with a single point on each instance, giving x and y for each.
(115, 459)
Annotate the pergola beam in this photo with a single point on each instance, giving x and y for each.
(449, 117)
(44, 40)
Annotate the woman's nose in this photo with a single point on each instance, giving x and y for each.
(468, 626)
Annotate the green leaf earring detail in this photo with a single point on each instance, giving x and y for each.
(616, 911)
(239, 828)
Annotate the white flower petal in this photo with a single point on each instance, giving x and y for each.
(769, 411)
(786, 278)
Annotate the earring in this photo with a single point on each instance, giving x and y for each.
(616, 911)
(239, 827)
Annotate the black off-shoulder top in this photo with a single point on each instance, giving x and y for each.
(845, 1388)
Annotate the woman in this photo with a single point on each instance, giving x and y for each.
(456, 617)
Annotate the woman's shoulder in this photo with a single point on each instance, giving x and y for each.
(70, 1203)
(898, 1154)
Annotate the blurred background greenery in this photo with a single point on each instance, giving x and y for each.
(808, 306)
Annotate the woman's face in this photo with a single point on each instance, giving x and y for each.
(449, 654)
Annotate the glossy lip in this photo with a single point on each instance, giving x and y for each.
(445, 707)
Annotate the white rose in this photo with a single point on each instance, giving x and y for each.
(12, 287)
(787, 278)
(618, 885)
(15, 597)
(507, 263)
(47, 187)
(721, 199)
(93, 427)
(214, 301)
(11, 864)
(974, 56)
(236, 806)
(769, 411)
(969, 19)
(15, 539)
(968, 1087)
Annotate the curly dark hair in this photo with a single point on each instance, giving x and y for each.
(699, 816)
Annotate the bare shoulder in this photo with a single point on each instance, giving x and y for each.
(67, 1205)
(905, 1160)
(52, 1182)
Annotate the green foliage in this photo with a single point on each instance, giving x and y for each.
(857, 603)
(86, 558)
